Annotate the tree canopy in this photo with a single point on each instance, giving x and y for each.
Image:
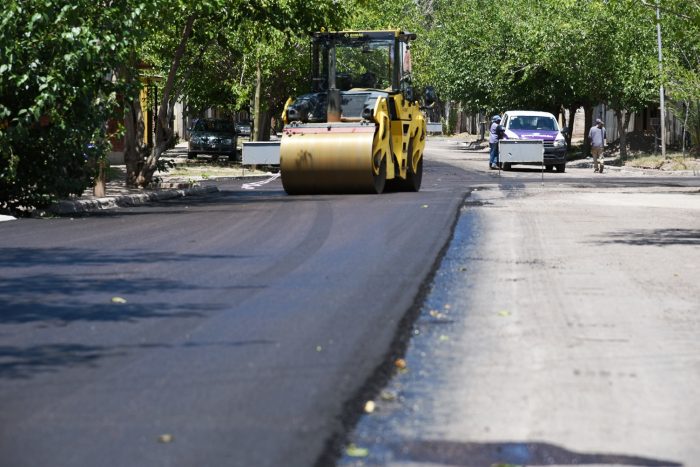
(66, 69)
(57, 62)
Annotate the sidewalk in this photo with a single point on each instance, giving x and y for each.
(587, 163)
(183, 180)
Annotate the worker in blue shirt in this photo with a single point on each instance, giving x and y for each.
(496, 132)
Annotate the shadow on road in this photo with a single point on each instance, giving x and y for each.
(25, 362)
(44, 290)
(512, 453)
(60, 292)
(652, 237)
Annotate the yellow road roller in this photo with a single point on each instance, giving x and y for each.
(360, 129)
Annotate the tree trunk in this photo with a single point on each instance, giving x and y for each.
(265, 125)
(572, 119)
(459, 127)
(622, 120)
(257, 127)
(448, 109)
(133, 140)
(588, 110)
(100, 188)
(686, 104)
(694, 127)
(164, 133)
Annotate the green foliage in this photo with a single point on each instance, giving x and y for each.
(228, 41)
(542, 54)
(681, 31)
(632, 77)
(65, 67)
(56, 94)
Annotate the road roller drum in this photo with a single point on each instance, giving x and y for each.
(359, 130)
(330, 159)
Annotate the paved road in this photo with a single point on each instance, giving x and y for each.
(251, 322)
(561, 329)
(228, 330)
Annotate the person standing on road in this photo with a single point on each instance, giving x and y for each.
(596, 137)
(496, 132)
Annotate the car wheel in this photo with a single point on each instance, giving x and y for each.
(191, 155)
(561, 168)
(549, 167)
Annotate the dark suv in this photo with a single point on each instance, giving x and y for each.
(213, 136)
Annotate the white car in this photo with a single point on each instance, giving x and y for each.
(532, 124)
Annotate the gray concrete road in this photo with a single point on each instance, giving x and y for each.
(565, 332)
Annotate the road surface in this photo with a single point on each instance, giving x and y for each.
(247, 328)
(228, 330)
(561, 329)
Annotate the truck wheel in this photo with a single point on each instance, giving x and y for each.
(561, 168)
(413, 180)
(549, 167)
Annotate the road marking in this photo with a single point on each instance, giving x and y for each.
(254, 185)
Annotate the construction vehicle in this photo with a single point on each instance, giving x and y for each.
(360, 129)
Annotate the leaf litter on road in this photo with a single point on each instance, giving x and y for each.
(166, 438)
(353, 450)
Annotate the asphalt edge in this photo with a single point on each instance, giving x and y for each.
(353, 408)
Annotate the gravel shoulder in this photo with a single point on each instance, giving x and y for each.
(581, 324)
(563, 331)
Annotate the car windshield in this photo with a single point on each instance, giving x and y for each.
(532, 122)
(214, 126)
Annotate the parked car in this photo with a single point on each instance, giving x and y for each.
(243, 128)
(531, 124)
(213, 136)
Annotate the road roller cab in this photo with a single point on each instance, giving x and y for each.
(359, 130)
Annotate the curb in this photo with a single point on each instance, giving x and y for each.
(579, 164)
(112, 202)
(583, 164)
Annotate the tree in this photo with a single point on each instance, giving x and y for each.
(561, 53)
(57, 91)
(199, 22)
(681, 26)
(633, 72)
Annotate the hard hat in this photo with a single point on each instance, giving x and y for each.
(496, 118)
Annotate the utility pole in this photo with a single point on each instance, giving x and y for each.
(661, 90)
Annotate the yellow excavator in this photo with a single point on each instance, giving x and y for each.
(360, 129)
